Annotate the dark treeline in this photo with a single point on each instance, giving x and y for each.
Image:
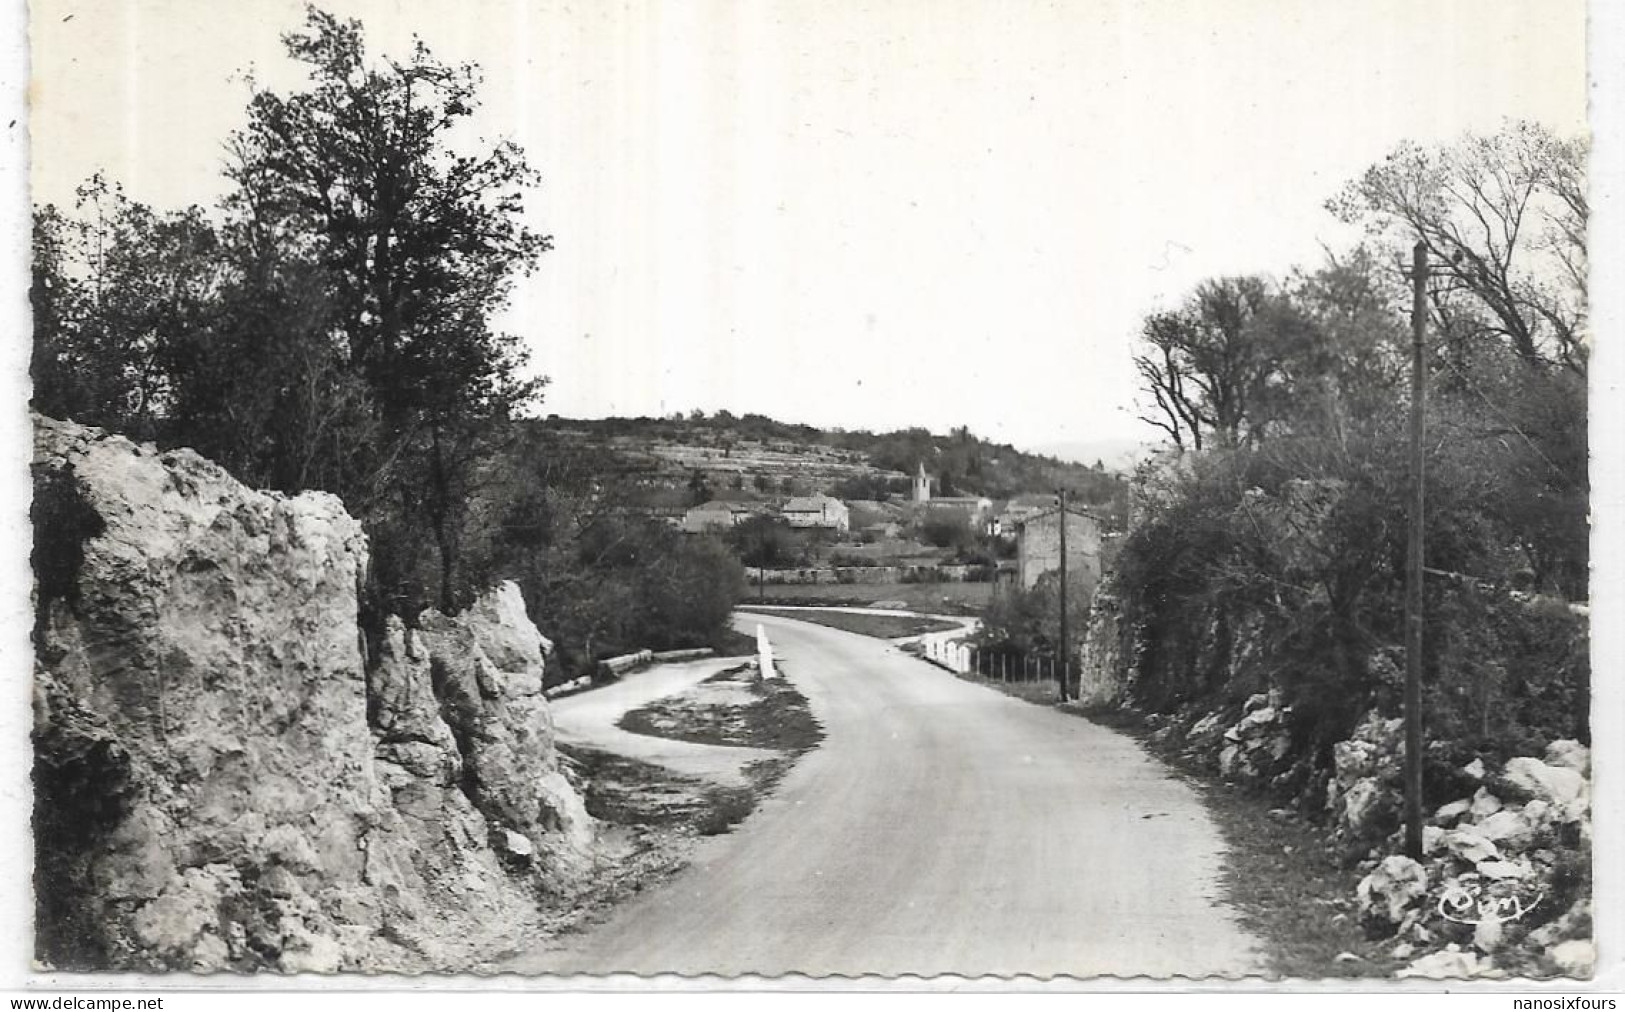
(328, 325)
(1273, 558)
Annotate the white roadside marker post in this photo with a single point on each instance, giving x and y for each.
(764, 654)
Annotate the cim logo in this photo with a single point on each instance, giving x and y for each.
(1468, 902)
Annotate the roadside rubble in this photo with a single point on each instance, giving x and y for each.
(1503, 886)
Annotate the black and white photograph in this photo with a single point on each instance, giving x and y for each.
(808, 490)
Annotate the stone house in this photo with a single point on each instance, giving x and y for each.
(1038, 546)
(716, 515)
(1008, 516)
(819, 512)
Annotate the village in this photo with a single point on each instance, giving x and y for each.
(913, 540)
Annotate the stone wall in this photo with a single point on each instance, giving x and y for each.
(1102, 675)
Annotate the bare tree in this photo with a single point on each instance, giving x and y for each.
(1505, 215)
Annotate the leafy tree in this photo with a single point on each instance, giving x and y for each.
(1504, 219)
(948, 529)
(765, 541)
(699, 488)
(1216, 366)
(1028, 621)
(418, 243)
(1353, 359)
(687, 592)
(863, 486)
(112, 284)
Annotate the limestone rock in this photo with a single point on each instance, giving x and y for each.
(1487, 935)
(1470, 846)
(1448, 963)
(488, 664)
(1448, 815)
(1483, 804)
(1506, 828)
(1256, 744)
(1569, 754)
(1563, 788)
(1432, 840)
(1574, 958)
(1397, 885)
(1207, 725)
(1102, 673)
(217, 787)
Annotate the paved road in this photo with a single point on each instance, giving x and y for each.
(589, 718)
(942, 827)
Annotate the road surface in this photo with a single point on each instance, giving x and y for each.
(941, 827)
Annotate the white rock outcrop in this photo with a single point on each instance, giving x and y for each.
(222, 780)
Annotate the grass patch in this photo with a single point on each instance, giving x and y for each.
(1040, 692)
(628, 792)
(880, 626)
(1279, 874)
(732, 707)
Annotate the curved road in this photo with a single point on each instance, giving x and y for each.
(941, 827)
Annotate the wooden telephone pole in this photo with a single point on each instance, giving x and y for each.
(1066, 656)
(1418, 275)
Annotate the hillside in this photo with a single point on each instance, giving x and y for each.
(753, 456)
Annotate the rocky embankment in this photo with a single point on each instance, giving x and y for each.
(226, 780)
(1504, 885)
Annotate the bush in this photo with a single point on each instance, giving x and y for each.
(1283, 568)
(948, 532)
(1028, 622)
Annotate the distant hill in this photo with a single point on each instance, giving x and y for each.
(677, 459)
(1115, 454)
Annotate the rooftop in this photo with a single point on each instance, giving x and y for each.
(810, 503)
(1053, 510)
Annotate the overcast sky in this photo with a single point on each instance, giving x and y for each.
(869, 214)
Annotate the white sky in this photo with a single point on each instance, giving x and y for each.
(931, 212)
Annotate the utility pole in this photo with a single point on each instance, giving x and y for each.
(1413, 562)
(1066, 659)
